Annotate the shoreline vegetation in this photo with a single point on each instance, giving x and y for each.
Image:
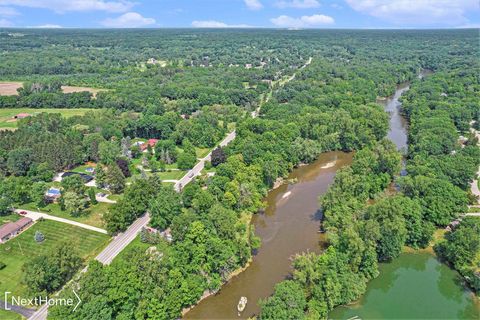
(317, 91)
(332, 225)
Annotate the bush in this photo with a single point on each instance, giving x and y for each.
(2, 265)
(39, 237)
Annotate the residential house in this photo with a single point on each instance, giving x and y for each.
(11, 229)
(150, 143)
(52, 195)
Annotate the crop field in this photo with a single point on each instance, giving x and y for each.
(17, 251)
(9, 88)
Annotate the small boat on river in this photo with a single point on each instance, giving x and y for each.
(241, 305)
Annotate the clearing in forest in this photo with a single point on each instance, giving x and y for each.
(9, 122)
(9, 88)
(71, 89)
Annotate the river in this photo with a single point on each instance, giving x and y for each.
(415, 285)
(288, 226)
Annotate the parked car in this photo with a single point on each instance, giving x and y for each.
(23, 213)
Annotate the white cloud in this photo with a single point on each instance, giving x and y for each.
(73, 5)
(217, 24)
(253, 4)
(417, 12)
(5, 23)
(47, 26)
(128, 20)
(8, 12)
(298, 4)
(302, 22)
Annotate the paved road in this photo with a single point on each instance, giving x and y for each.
(37, 215)
(122, 240)
(41, 313)
(107, 255)
(190, 175)
(474, 186)
(26, 312)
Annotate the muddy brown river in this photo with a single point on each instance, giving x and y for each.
(288, 226)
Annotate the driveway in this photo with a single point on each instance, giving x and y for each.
(104, 199)
(37, 215)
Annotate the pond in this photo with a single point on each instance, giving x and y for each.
(413, 286)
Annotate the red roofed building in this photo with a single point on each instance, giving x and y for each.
(22, 115)
(11, 229)
(150, 142)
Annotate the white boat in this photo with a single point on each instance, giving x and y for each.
(242, 304)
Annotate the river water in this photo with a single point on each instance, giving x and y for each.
(288, 226)
(414, 286)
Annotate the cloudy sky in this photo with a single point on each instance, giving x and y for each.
(240, 13)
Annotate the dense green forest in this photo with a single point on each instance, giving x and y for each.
(200, 87)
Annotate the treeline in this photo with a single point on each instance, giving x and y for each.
(434, 193)
(328, 106)
(209, 241)
(441, 166)
(359, 237)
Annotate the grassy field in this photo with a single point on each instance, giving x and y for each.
(7, 121)
(71, 89)
(81, 169)
(9, 218)
(17, 251)
(92, 216)
(9, 315)
(172, 175)
(202, 152)
(132, 245)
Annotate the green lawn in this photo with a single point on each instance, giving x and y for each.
(81, 169)
(132, 245)
(9, 315)
(21, 249)
(202, 152)
(92, 216)
(9, 218)
(7, 122)
(172, 175)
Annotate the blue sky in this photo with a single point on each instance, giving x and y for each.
(240, 13)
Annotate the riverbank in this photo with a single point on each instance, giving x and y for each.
(288, 225)
(208, 293)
